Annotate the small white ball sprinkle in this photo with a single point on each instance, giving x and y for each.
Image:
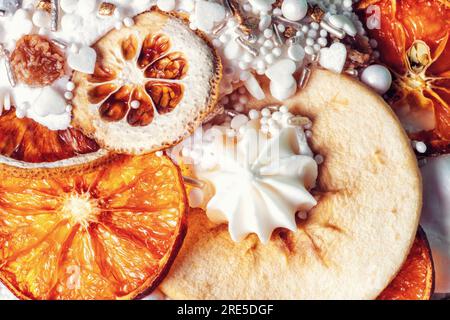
(284, 109)
(323, 33)
(253, 114)
(309, 50)
(68, 95)
(118, 25)
(266, 112)
(281, 27)
(305, 29)
(230, 133)
(277, 12)
(268, 33)
(70, 86)
(276, 52)
(270, 58)
(128, 22)
(135, 104)
(319, 159)
(69, 108)
(420, 146)
(310, 42)
(159, 153)
(268, 44)
(314, 25)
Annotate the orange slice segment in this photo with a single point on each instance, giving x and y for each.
(415, 281)
(27, 140)
(108, 229)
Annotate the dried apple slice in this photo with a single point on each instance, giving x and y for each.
(354, 241)
(107, 229)
(154, 83)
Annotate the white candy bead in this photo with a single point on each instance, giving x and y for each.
(41, 19)
(322, 42)
(294, 10)
(296, 52)
(135, 104)
(309, 50)
(264, 22)
(268, 44)
(276, 52)
(270, 58)
(309, 42)
(70, 86)
(378, 77)
(284, 109)
(420, 146)
(68, 95)
(281, 28)
(268, 33)
(166, 5)
(128, 22)
(238, 121)
(347, 3)
(253, 114)
(266, 112)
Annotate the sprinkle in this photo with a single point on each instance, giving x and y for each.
(68, 95)
(69, 108)
(304, 77)
(135, 104)
(59, 43)
(70, 86)
(420, 146)
(193, 182)
(302, 215)
(54, 12)
(337, 33)
(247, 47)
(319, 159)
(352, 72)
(278, 39)
(159, 153)
(128, 22)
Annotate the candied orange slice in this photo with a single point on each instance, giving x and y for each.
(153, 83)
(413, 37)
(107, 229)
(415, 281)
(29, 141)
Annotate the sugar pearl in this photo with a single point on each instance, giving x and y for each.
(270, 58)
(70, 86)
(378, 77)
(276, 52)
(166, 5)
(322, 42)
(268, 44)
(118, 25)
(281, 27)
(309, 42)
(323, 33)
(268, 33)
(305, 29)
(253, 114)
(319, 159)
(284, 109)
(315, 25)
(265, 112)
(128, 22)
(238, 121)
(277, 12)
(68, 95)
(309, 50)
(420, 146)
(135, 104)
(312, 33)
(294, 10)
(347, 3)
(69, 108)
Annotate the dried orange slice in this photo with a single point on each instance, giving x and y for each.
(153, 84)
(415, 281)
(28, 141)
(108, 229)
(413, 37)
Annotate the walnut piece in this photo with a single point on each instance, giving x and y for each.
(36, 61)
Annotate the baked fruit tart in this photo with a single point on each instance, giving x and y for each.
(153, 83)
(355, 239)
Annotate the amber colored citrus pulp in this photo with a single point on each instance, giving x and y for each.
(108, 229)
(413, 40)
(27, 140)
(415, 281)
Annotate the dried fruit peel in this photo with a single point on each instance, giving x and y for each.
(415, 280)
(152, 67)
(414, 43)
(28, 141)
(108, 229)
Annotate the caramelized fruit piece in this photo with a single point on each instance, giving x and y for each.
(26, 140)
(153, 47)
(143, 115)
(36, 61)
(415, 281)
(150, 76)
(116, 106)
(103, 231)
(172, 66)
(165, 96)
(414, 43)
